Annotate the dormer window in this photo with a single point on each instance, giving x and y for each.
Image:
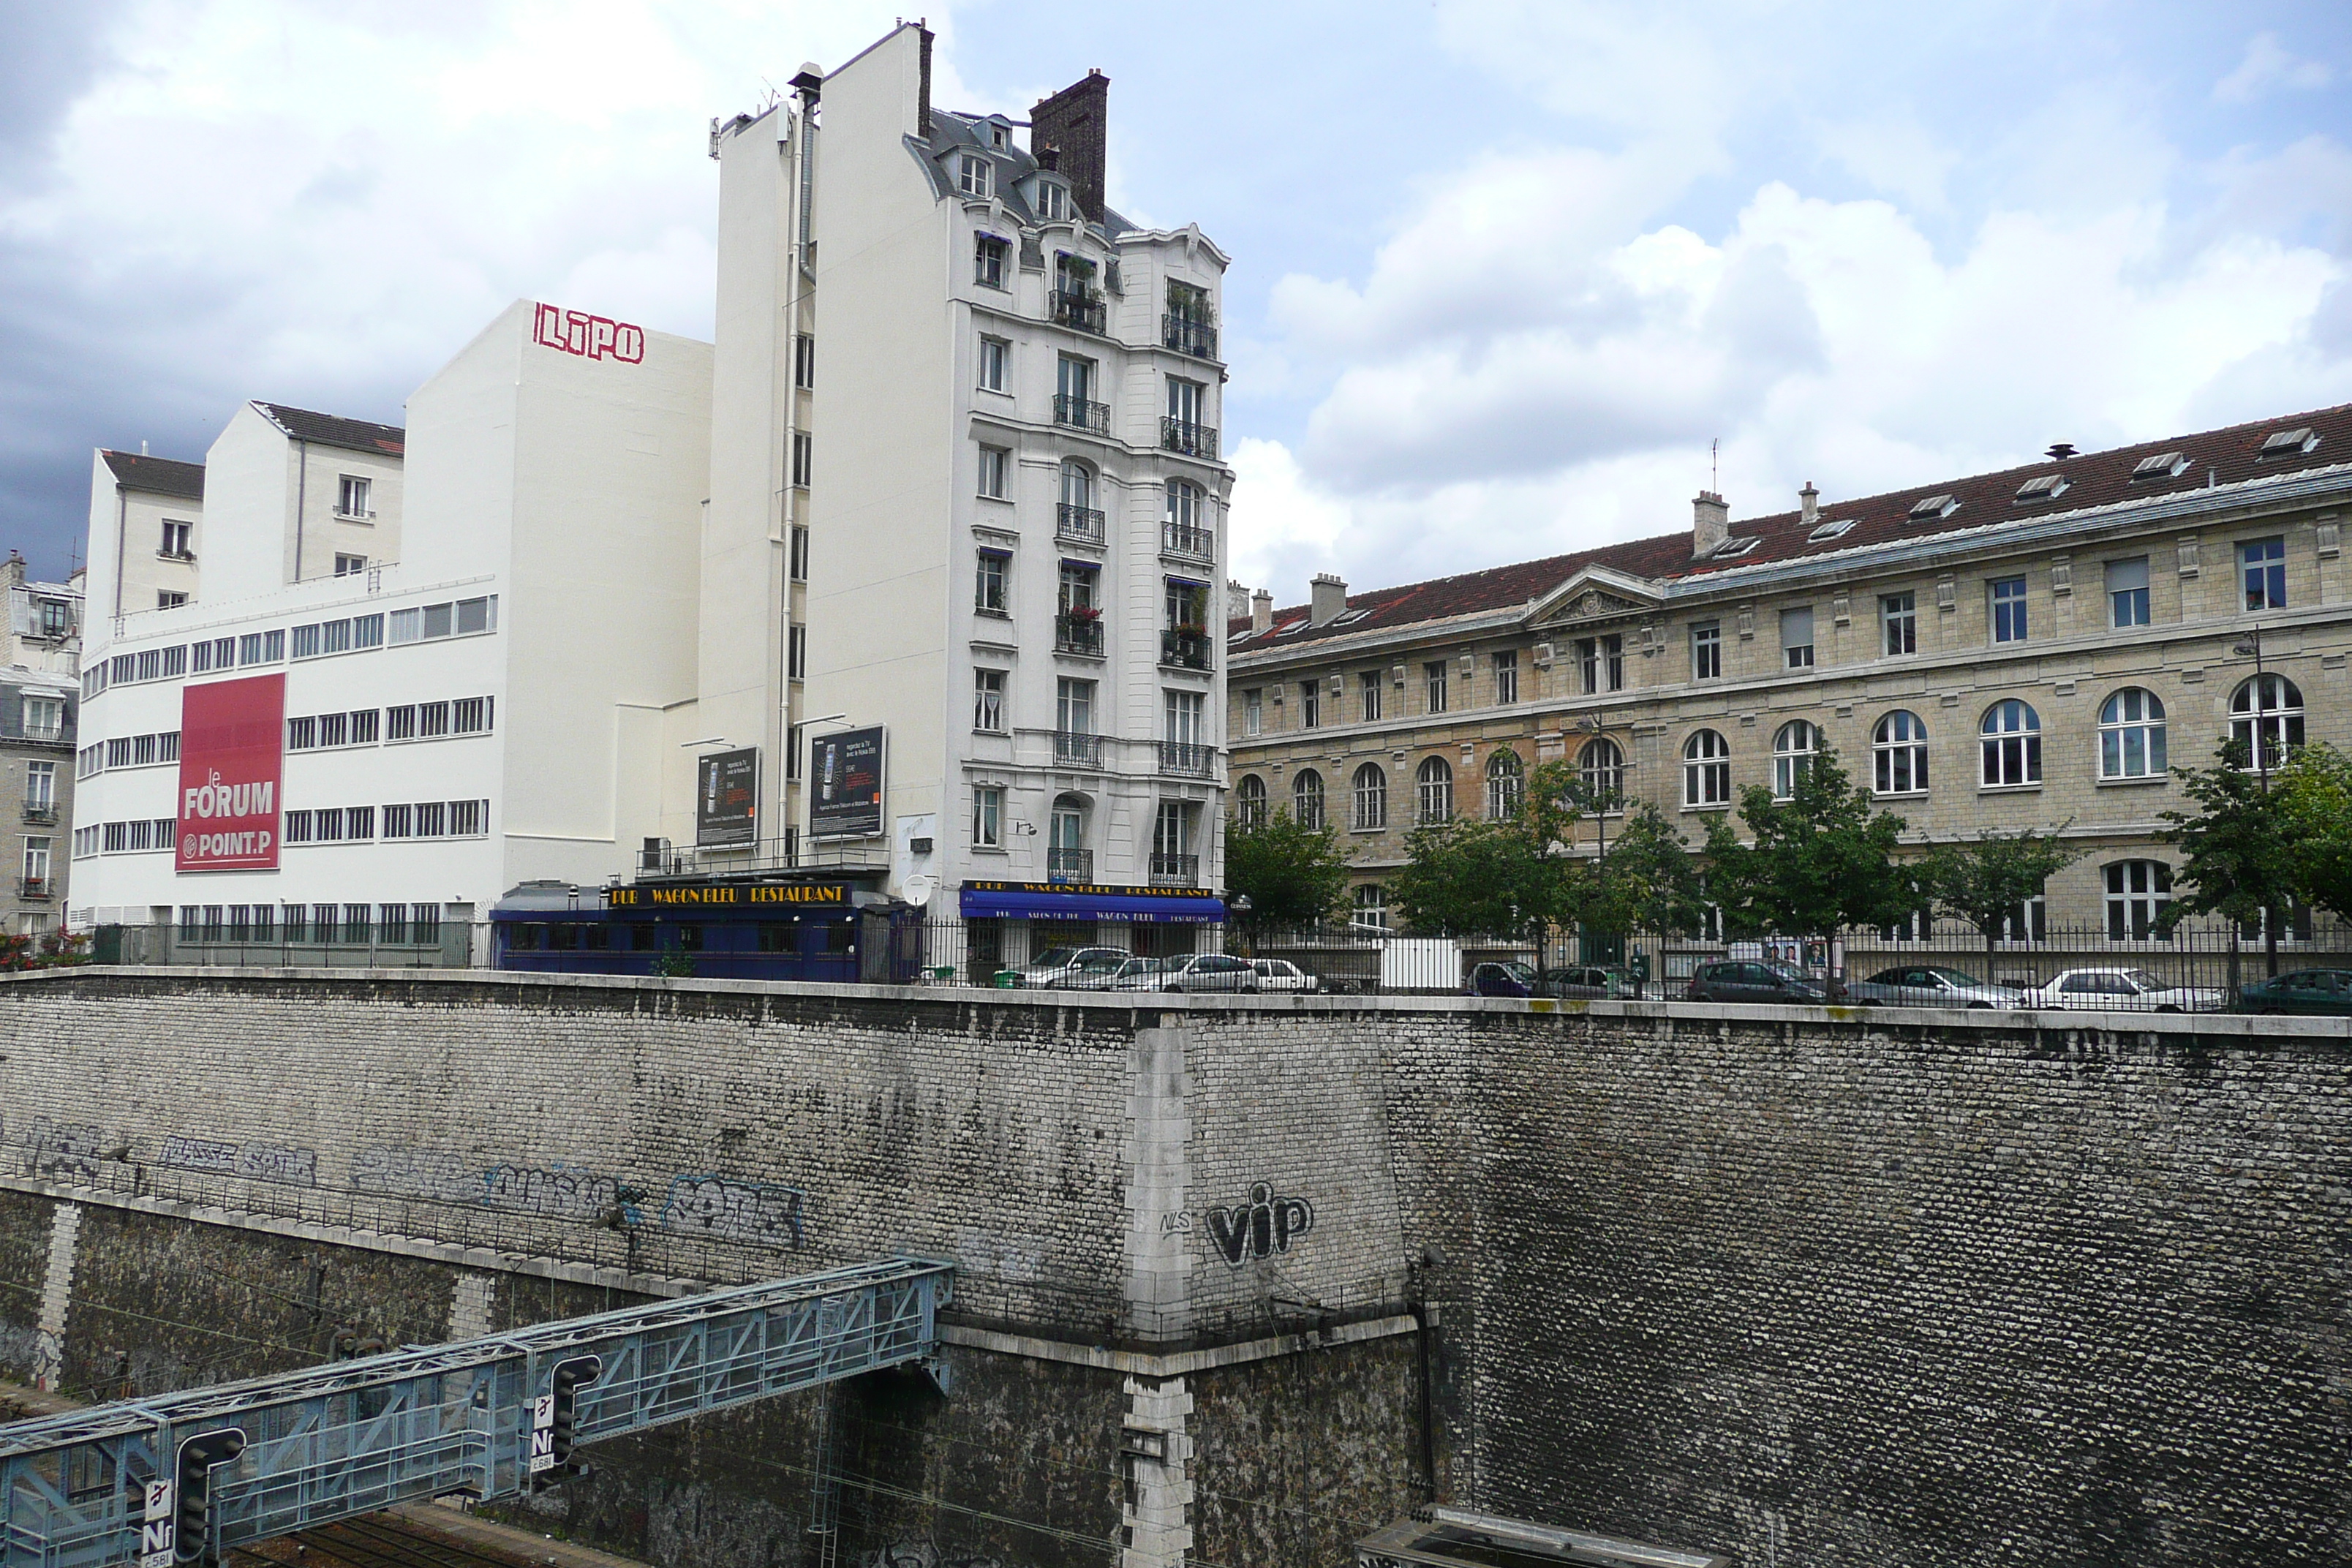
(2288, 443)
(972, 174)
(2044, 486)
(996, 137)
(1735, 545)
(1053, 201)
(1931, 508)
(1830, 530)
(2163, 466)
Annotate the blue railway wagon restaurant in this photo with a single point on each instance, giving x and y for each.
(720, 930)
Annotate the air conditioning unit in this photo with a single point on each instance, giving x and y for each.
(1338, 686)
(1543, 656)
(1469, 666)
(1396, 676)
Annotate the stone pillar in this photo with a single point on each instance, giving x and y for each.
(1156, 1453)
(1159, 1145)
(57, 1300)
(469, 1307)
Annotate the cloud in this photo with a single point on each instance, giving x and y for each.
(2268, 64)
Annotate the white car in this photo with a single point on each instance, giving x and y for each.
(1073, 968)
(1140, 975)
(2124, 991)
(1281, 974)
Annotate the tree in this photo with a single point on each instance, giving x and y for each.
(1820, 860)
(1647, 880)
(1292, 876)
(2238, 857)
(1485, 879)
(1987, 881)
(2313, 793)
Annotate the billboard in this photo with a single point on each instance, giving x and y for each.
(727, 799)
(232, 748)
(846, 784)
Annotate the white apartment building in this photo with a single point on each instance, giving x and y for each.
(966, 416)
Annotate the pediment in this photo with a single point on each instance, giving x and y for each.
(1596, 594)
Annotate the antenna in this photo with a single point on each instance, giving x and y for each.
(1713, 473)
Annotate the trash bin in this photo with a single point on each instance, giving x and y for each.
(105, 946)
(940, 973)
(1008, 980)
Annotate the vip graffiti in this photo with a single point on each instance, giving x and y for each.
(559, 1193)
(594, 337)
(1260, 1228)
(734, 1211)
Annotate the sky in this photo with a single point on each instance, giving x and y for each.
(1510, 277)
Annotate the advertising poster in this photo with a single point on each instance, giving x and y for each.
(232, 749)
(846, 784)
(727, 799)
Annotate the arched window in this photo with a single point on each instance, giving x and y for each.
(1898, 753)
(1250, 797)
(1306, 798)
(1067, 854)
(1707, 770)
(2137, 891)
(1793, 751)
(1436, 788)
(2270, 708)
(1077, 485)
(1601, 769)
(2131, 735)
(1183, 503)
(1372, 906)
(1371, 797)
(1506, 782)
(2012, 734)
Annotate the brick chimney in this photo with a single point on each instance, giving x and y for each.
(1809, 505)
(1327, 597)
(1075, 124)
(1710, 523)
(1262, 611)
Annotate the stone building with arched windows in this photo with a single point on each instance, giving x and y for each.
(2033, 648)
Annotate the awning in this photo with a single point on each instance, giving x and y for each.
(1090, 904)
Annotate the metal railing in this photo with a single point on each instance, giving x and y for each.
(1078, 634)
(1081, 310)
(1185, 435)
(1189, 540)
(1073, 749)
(790, 853)
(1185, 651)
(34, 887)
(41, 816)
(1081, 414)
(1069, 865)
(1189, 758)
(1187, 336)
(1082, 523)
(1175, 870)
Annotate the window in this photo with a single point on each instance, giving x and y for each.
(367, 631)
(1707, 650)
(306, 642)
(1797, 638)
(1186, 604)
(359, 822)
(1506, 783)
(803, 359)
(1185, 716)
(972, 174)
(467, 716)
(1306, 798)
(2266, 719)
(1898, 754)
(987, 817)
(995, 354)
(175, 661)
(1053, 201)
(2263, 563)
(41, 784)
(1434, 785)
(1435, 670)
(1250, 794)
(302, 734)
(1368, 686)
(1184, 509)
(118, 752)
(2009, 609)
(798, 567)
(988, 700)
(1793, 751)
(400, 722)
(2127, 592)
(1372, 797)
(2131, 735)
(175, 541)
(1601, 661)
(468, 818)
(2137, 891)
(168, 599)
(1707, 770)
(44, 718)
(1899, 615)
(432, 819)
(1506, 677)
(351, 499)
(1371, 901)
(1074, 383)
(1310, 704)
(432, 719)
(399, 822)
(1074, 706)
(1254, 711)
(796, 653)
(350, 565)
(988, 261)
(2012, 745)
(803, 450)
(988, 593)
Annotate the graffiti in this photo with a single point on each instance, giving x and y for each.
(199, 1154)
(923, 1554)
(1260, 1228)
(559, 1193)
(1175, 1224)
(256, 1162)
(734, 1211)
(61, 1148)
(417, 1174)
(596, 337)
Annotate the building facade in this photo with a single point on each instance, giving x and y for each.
(40, 709)
(2035, 647)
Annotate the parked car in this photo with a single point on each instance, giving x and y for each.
(1281, 974)
(1506, 978)
(2301, 991)
(1591, 982)
(1208, 972)
(1750, 980)
(1073, 968)
(1931, 985)
(2124, 991)
(1139, 974)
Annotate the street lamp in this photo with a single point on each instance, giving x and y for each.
(2250, 646)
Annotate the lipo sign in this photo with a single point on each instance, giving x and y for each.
(232, 752)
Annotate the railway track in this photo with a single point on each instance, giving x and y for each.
(374, 1542)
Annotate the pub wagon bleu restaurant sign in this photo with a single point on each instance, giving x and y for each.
(1080, 902)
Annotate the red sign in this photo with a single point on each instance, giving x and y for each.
(596, 337)
(232, 735)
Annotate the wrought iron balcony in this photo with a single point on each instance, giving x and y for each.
(1189, 539)
(1081, 311)
(1078, 634)
(50, 733)
(1183, 435)
(1084, 522)
(1189, 758)
(1175, 870)
(1073, 750)
(34, 887)
(1185, 651)
(1069, 865)
(1081, 414)
(1187, 336)
(41, 816)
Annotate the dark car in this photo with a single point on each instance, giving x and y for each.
(2302, 991)
(1748, 980)
(1508, 978)
(1588, 982)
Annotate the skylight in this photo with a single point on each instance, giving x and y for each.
(2286, 442)
(1735, 545)
(1342, 619)
(2044, 486)
(1289, 627)
(2163, 466)
(1830, 530)
(1934, 506)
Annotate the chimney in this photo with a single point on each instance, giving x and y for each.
(1809, 505)
(1074, 124)
(923, 85)
(1710, 523)
(1261, 612)
(1326, 597)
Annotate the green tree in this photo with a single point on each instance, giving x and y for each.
(1985, 882)
(1820, 860)
(2312, 793)
(1645, 880)
(1484, 879)
(1292, 876)
(2238, 855)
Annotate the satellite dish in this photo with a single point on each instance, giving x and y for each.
(921, 888)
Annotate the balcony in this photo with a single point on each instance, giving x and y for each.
(1073, 750)
(1080, 415)
(34, 887)
(1187, 758)
(41, 814)
(1188, 540)
(1082, 309)
(1187, 336)
(1074, 633)
(1083, 524)
(1175, 870)
(50, 733)
(1069, 865)
(1183, 435)
(1185, 651)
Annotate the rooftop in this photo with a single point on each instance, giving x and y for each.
(156, 475)
(334, 430)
